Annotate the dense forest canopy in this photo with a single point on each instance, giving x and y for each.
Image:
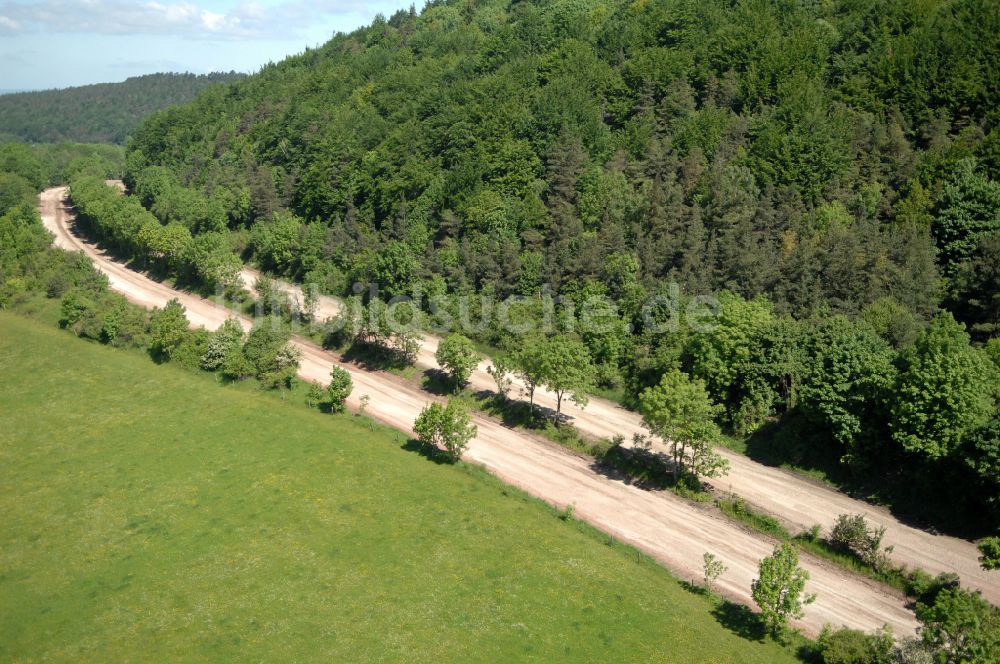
(831, 169)
(801, 150)
(102, 113)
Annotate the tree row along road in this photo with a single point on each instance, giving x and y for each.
(798, 501)
(671, 530)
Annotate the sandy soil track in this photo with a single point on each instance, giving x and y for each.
(671, 530)
(798, 501)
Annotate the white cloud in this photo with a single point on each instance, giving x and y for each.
(245, 20)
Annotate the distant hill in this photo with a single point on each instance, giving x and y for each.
(102, 113)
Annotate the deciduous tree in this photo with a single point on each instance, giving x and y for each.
(946, 389)
(339, 388)
(567, 370)
(458, 356)
(680, 413)
(779, 589)
(168, 328)
(448, 427)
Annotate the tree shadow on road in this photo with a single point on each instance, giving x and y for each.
(438, 382)
(373, 357)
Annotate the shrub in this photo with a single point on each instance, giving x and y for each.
(960, 626)
(446, 426)
(851, 646)
(852, 533)
(339, 389)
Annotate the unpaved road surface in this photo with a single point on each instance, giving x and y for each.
(669, 529)
(798, 501)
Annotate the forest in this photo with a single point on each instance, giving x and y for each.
(830, 172)
(102, 113)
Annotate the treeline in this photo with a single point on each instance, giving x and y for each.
(822, 161)
(824, 155)
(205, 261)
(38, 166)
(25, 266)
(103, 113)
(833, 168)
(30, 266)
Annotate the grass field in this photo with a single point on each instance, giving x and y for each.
(149, 513)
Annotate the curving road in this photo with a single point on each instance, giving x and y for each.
(671, 530)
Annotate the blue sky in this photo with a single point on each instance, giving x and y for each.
(60, 43)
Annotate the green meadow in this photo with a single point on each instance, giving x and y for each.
(148, 513)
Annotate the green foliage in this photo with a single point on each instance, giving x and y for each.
(713, 569)
(529, 365)
(851, 646)
(735, 148)
(989, 550)
(779, 588)
(339, 388)
(680, 413)
(809, 159)
(850, 373)
(276, 243)
(566, 369)
(189, 353)
(946, 389)
(102, 113)
(15, 191)
(224, 341)
(315, 395)
(727, 358)
(501, 369)
(852, 533)
(236, 366)
(976, 288)
(168, 329)
(896, 324)
(21, 236)
(458, 356)
(24, 162)
(969, 208)
(268, 352)
(981, 454)
(960, 626)
(205, 260)
(738, 509)
(448, 427)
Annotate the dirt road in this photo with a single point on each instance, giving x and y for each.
(796, 500)
(669, 529)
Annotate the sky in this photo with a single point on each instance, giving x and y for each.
(61, 43)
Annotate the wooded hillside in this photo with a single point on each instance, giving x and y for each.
(832, 166)
(103, 113)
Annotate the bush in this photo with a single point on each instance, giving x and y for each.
(960, 626)
(457, 355)
(236, 366)
(852, 534)
(851, 646)
(446, 426)
(190, 351)
(168, 329)
(339, 389)
(989, 550)
(223, 341)
(265, 341)
(925, 587)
